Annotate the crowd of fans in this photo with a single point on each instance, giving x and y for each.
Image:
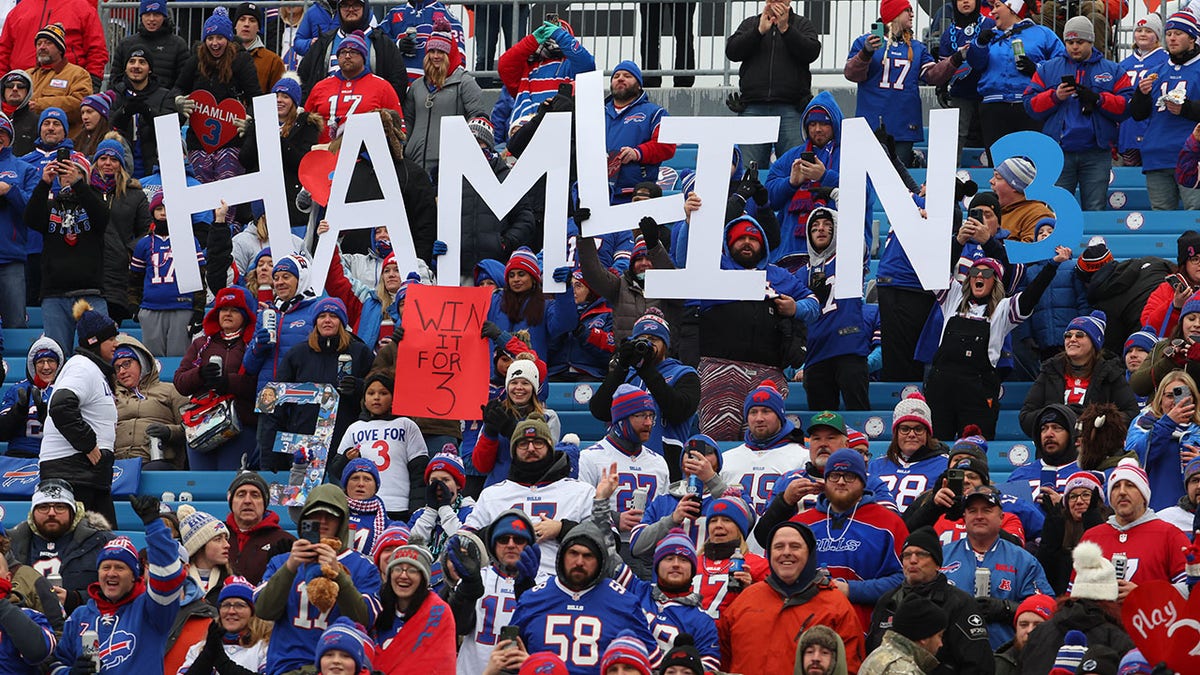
(708, 530)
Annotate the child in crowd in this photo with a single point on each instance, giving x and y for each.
(165, 313)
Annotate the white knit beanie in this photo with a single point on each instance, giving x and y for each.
(197, 528)
(1095, 577)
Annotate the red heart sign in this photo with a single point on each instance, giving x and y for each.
(316, 174)
(212, 122)
(1163, 625)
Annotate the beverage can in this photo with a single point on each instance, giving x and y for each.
(270, 320)
(638, 501)
(155, 449)
(216, 358)
(983, 582)
(694, 486)
(1018, 47)
(1120, 564)
(345, 363)
(90, 643)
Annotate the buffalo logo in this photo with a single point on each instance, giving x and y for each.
(299, 323)
(1102, 77)
(8, 174)
(117, 649)
(518, 524)
(546, 668)
(760, 397)
(28, 474)
(636, 117)
(840, 466)
(117, 472)
(720, 506)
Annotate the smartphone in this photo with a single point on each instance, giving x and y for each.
(510, 633)
(310, 531)
(810, 157)
(1182, 394)
(1049, 477)
(954, 481)
(878, 29)
(1069, 80)
(1177, 282)
(976, 213)
(62, 155)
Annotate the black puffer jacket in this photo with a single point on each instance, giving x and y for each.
(775, 66)
(133, 114)
(1107, 385)
(128, 221)
(168, 52)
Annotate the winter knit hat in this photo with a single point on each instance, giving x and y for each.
(918, 617)
(396, 534)
(1094, 257)
(533, 426)
(92, 326)
(734, 508)
(1133, 663)
(333, 306)
(55, 33)
(101, 103)
(972, 443)
(927, 540)
(349, 637)
(683, 653)
(1191, 306)
(890, 9)
(483, 130)
(1092, 325)
(741, 227)
(1095, 576)
(360, 465)
(110, 147)
(629, 400)
(1128, 469)
(1153, 22)
(197, 528)
(975, 465)
(912, 408)
(121, 549)
(1079, 28)
(248, 478)
(1084, 479)
(631, 68)
(765, 395)
(626, 649)
(1018, 172)
(451, 464)
(415, 555)
(543, 663)
(439, 42)
(524, 259)
(675, 543)
(1038, 603)
(54, 491)
(847, 461)
(1070, 654)
(856, 439)
(7, 127)
(218, 24)
(289, 86)
(992, 264)
(54, 114)
(152, 7)
(511, 524)
(1145, 339)
(525, 370)
(237, 587)
(1184, 21)
(652, 323)
(249, 9)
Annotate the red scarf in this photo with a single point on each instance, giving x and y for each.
(425, 644)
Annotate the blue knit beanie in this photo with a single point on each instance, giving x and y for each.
(218, 24)
(152, 6)
(847, 461)
(55, 114)
(360, 465)
(1093, 326)
(734, 508)
(347, 636)
(1146, 339)
(289, 86)
(766, 395)
(110, 147)
(675, 543)
(652, 323)
(333, 306)
(631, 68)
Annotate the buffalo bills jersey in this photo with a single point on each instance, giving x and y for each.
(907, 480)
(757, 470)
(335, 99)
(154, 257)
(645, 470)
(891, 94)
(493, 611)
(712, 581)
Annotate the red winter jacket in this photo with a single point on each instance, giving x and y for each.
(1155, 310)
(86, 47)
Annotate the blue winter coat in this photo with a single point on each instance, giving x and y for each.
(1157, 442)
(554, 322)
(1065, 299)
(965, 81)
(23, 177)
(292, 328)
(999, 79)
(421, 14)
(317, 20)
(631, 126)
(590, 346)
(1064, 121)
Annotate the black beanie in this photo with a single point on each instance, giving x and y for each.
(383, 377)
(925, 539)
(918, 618)
(248, 478)
(683, 653)
(1187, 245)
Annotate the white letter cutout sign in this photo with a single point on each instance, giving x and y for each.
(182, 200)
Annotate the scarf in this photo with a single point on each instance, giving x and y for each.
(372, 505)
(104, 184)
(438, 537)
(720, 551)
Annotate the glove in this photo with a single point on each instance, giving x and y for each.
(349, 386)
(734, 102)
(22, 401)
(184, 105)
(986, 35)
(439, 247)
(995, 609)
(581, 214)
(464, 555)
(146, 507)
(431, 493)
(627, 356)
(530, 562)
(195, 327)
(304, 200)
(562, 274)
(211, 374)
(490, 331)
(84, 665)
(262, 338)
(544, 31)
(1026, 66)
(1088, 99)
(494, 417)
(650, 232)
(397, 333)
(215, 641)
(241, 124)
(407, 45)
(752, 189)
(441, 496)
(159, 431)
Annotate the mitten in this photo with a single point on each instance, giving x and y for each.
(650, 232)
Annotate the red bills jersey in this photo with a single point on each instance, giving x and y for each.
(712, 581)
(335, 99)
(1154, 550)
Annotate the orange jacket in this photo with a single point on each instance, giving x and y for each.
(759, 631)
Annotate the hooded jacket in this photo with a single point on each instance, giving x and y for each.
(423, 110)
(133, 114)
(24, 118)
(1065, 121)
(1121, 289)
(965, 643)
(1107, 385)
(22, 178)
(128, 222)
(751, 330)
(999, 79)
(840, 328)
(820, 635)
(151, 402)
(318, 19)
(1158, 442)
(898, 655)
(213, 343)
(167, 52)
(298, 624)
(1065, 299)
(22, 425)
(776, 65)
(76, 549)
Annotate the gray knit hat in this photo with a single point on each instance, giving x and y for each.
(1079, 28)
(1018, 172)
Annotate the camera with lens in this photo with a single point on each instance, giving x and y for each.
(643, 346)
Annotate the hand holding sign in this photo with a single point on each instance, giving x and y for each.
(1163, 625)
(443, 360)
(214, 124)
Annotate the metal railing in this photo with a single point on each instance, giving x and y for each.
(611, 31)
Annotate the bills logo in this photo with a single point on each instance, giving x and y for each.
(117, 649)
(635, 117)
(952, 567)
(1102, 77)
(6, 175)
(26, 475)
(297, 324)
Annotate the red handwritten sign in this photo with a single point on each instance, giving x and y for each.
(442, 363)
(1164, 625)
(212, 122)
(316, 174)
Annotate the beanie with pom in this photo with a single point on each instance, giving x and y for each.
(92, 326)
(1095, 576)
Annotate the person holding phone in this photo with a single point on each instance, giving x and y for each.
(1080, 98)
(1162, 310)
(1166, 436)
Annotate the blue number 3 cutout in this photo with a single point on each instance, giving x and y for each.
(214, 132)
(1047, 158)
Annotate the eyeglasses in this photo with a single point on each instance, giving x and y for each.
(643, 416)
(909, 429)
(45, 508)
(16, 85)
(506, 539)
(234, 604)
(1079, 497)
(920, 555)
(840, 477)
(124, 364)
(984, 272)
(1075, 334)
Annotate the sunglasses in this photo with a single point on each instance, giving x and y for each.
(16, 85)
(985, 272)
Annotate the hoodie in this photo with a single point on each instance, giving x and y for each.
(283, 598)
(152, 401)
(21, 424)
(840, 329)
(822, 636)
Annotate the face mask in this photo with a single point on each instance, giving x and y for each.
(640, 276)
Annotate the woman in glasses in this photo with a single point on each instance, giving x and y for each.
(962, 387)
